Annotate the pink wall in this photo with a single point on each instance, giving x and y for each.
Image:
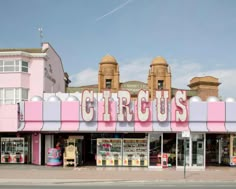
(36, 77)
(70, 116)
(8, 118)
(33, 111)
(14, 79)
(216, 116)
(33, 116)
(55, 71)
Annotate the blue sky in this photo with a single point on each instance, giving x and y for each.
(196, 37)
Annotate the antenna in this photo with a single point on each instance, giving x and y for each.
(41, 35)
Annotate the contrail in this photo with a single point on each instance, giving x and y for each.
(114, 10)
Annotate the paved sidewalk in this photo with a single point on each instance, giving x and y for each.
(32, 173)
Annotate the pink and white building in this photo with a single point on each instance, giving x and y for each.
(119, 132)
(110, 128)
(25, 73)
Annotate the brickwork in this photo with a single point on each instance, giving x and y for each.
(159, 77)
(205, 86)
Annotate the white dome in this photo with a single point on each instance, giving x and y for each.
(195, 99)
(212, 99)
(36, 98)
(72, 98)
(229, 99)
(54, 99)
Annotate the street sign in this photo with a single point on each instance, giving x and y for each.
(185, 134)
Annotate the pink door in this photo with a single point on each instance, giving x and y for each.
(36, 148)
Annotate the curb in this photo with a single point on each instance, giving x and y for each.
(101, 181)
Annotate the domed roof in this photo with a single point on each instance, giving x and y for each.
(54, 99)
(159, 60)
(72, 98)
(36, 98)
(212, 99)
(229, 99)
(108, 59)
(195, 99)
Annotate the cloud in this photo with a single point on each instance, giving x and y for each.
(86, 77)
(182, 72)
(135, 70)
(114, 10)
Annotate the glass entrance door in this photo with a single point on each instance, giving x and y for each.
(155, 150)
(180, 150)
(198, 149)
(195, 150)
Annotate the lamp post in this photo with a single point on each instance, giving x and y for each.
(185, 135)
(184, 158)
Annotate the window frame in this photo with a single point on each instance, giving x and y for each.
(17, 66)
(108, 84)
(19, 94)
(161, 86)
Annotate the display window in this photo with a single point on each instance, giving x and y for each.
(169, 148)
(234, 146)
(122, 152)
(109, 152)
(233, 150)
(135, 152)
(12, 150)
(155, 150)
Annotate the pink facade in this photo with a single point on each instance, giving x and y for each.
(216, 116)
(45, 71)
(27, 73)
(53, 76)
(70, 118)
(15, 80)
(33, 116)
(9, 118)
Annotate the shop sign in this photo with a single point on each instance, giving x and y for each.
(126, 113)
(48, 74)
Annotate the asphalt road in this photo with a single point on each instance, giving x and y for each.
(122, 185)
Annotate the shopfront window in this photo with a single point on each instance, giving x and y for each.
(169, 147)
(12, 150)
(234, 146)
(109, 152)
(155, 152)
